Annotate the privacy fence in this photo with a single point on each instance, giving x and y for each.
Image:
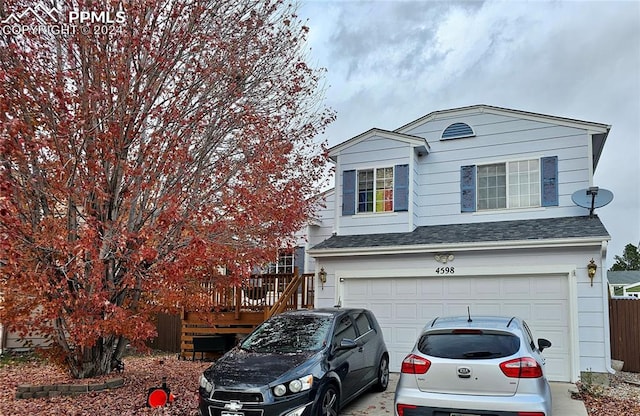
(624, 323)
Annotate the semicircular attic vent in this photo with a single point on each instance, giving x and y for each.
(457, 130)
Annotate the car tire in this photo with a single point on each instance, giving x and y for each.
(383, 374)
(328, 401)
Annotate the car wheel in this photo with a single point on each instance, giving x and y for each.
(329, 401)
(383, 374)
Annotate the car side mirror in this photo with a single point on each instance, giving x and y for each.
(543, 343)
(347, 344)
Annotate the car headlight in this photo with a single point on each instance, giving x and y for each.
(294, 386)
(279, 390)
(206, 384)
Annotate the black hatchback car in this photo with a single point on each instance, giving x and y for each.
(298, 363)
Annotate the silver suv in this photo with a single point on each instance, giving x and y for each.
(474, 366)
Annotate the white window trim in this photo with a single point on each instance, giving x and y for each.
(507, 207)
(375, 175)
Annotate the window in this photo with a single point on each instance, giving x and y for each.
(375, 190)
(520, 184)
(468, 346)
(362, 322)
(284, 263)
(492, 182)
(509, 185)
(344, 330)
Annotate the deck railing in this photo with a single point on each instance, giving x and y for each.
(236, 310)
(271, 293)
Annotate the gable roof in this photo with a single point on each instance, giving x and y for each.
(418, 143)
(538, 232)
(599, 131)
(623, 277)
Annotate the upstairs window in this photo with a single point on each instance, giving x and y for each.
(509, 185)
(375, 190)
(520, 184)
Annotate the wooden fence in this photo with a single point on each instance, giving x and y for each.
(169, 328)
(624, 323)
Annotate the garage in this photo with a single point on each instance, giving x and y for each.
(404, 304)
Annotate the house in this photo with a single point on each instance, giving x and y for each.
(469, 211)
(624, 283)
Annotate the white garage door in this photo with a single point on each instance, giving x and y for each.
(404, 305)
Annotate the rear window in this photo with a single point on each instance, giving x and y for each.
(476, 346)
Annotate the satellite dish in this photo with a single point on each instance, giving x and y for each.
(592, 198)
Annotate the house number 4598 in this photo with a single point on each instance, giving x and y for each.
(445, 270)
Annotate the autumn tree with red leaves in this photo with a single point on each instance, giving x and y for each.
(138, 156)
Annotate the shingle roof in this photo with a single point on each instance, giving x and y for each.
(538, 229)
(623, 277)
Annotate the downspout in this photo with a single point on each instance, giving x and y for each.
(605, 304)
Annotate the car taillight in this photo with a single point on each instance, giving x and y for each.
(521, 368)
(402, 407)
(414, 364)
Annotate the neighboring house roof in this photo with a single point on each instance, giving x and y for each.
(599, 131)
(483, 233)
(623, 277)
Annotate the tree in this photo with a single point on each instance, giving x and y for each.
(139, 155)
(630, 259)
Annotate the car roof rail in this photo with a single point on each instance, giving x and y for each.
(509, 323)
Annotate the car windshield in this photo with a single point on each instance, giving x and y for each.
(290, 333)
(469, 346)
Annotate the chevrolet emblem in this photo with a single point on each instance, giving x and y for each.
(234, 405)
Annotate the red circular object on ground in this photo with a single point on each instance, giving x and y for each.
(157, 398)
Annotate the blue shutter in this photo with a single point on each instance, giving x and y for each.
(468, 188)
(349, 192)
(298, 259)
(549, 181)
(401, 188)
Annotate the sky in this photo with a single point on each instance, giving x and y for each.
(391, 62)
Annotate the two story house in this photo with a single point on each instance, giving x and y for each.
(469, 210)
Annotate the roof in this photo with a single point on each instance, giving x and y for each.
(480, 321)
(485, 232)
(600, 127)
(623, 277)
(418, 143)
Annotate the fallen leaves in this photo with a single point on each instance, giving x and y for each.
(140, 374)
(144, 372)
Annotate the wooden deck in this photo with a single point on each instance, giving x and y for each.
(236, 311)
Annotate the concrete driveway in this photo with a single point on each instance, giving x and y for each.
(374, 404)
